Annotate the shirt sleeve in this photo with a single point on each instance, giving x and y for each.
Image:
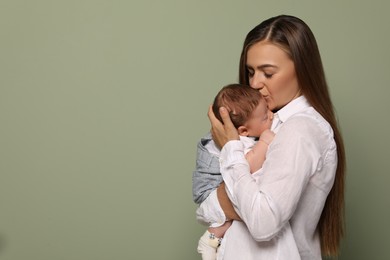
(266, 202)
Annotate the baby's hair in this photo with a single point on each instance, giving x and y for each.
(239, 100)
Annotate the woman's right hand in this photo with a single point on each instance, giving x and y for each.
(222, 133)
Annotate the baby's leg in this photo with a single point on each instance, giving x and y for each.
(219, 232)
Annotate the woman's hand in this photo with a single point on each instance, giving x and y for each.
(222, 133)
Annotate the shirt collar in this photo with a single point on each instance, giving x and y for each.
(293, 107)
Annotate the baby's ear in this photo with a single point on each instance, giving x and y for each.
(242, 130)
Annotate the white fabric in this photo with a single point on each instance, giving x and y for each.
(209, 212)
(275, 122)
(281, 205)
(248, 142)
(207, 247)
(218, 218)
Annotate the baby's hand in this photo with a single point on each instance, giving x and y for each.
(267, 136)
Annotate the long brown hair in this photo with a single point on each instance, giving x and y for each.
(293, 36)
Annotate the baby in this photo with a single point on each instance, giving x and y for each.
(250, 115)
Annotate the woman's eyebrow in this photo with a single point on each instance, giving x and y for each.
(263, 66)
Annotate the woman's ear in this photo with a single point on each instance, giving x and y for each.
(243, 131)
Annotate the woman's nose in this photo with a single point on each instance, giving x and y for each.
(255, 82)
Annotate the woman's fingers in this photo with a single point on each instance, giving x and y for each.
(212, 118)
(216, 126)
(222, 132)
(230, 130)
(227, 122)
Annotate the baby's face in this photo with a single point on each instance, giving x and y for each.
(260, 120)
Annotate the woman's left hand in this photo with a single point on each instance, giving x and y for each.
(222, 133)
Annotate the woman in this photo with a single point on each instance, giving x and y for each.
(294, 208)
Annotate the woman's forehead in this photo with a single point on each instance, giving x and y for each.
(265, 54)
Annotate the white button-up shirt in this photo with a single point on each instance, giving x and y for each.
(280, 204)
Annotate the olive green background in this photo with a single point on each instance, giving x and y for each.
(102, 103)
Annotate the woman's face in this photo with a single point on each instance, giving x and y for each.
(272, 72)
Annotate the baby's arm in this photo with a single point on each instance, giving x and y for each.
(256, 156)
